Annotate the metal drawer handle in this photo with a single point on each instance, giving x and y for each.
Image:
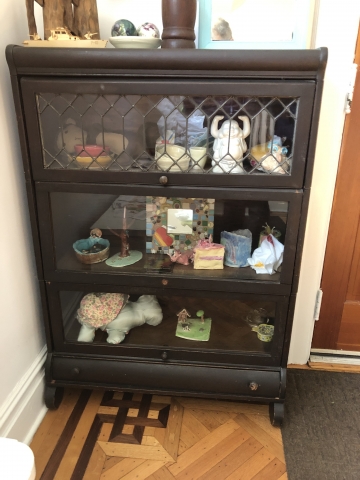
(253, 386)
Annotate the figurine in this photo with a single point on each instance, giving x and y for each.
(270, 157)
(229, 145)
(184, 258)
(183, 315)
(113, 313)
(126, 256)
(69, 136)
(201, 314)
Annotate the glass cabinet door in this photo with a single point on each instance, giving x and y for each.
(234, 133)
(176, 326)
(119, 235)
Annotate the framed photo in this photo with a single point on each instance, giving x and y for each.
(255, 24)
(177, 224)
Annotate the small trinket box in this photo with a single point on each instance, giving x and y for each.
(209, 255)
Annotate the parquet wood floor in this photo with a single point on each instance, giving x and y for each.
(98, 435)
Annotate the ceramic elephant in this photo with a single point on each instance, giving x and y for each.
(133, 314)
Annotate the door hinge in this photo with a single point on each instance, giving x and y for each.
(318, 301)
(350, 93)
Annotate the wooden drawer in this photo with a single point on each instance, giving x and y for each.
(165, 377)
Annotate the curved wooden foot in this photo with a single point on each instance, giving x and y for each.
(276, 412)
(53, 397)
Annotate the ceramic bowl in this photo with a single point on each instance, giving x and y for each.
(103, 161)
(199, 155)
(165, 158)
(87, 243)
(135, 42)
(91, 151)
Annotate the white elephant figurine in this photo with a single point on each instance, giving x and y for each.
(229, 145)
(132, 314)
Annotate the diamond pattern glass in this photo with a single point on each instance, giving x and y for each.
(181, 134)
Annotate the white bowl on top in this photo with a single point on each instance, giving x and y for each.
(135, 42)
(167, 156)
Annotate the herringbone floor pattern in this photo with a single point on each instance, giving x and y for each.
(111, 436)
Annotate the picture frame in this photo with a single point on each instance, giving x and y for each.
(303, 14)
(161, 240)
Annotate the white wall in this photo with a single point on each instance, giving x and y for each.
(338, 24)
(21, 339)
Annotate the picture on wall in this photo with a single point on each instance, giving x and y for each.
(177, 224)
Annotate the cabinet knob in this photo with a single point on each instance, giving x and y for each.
(75, 371)
(163, 180)
(254, 386)
(164, 281)
(164, 355)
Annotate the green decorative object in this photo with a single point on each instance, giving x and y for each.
(197, 329)
(118, 262)
(265, 332)
(123, 28)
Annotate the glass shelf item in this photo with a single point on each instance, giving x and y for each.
(162, 229)
(168, 133)
(185, 323)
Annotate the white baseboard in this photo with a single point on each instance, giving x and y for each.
(24, 409)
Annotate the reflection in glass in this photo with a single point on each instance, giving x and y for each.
(253, 20)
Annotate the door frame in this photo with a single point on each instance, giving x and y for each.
(343, 18)
(340, 248)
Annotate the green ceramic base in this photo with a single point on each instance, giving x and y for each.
(116, 261)
(194, 329)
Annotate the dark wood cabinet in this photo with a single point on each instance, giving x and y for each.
(125, 104)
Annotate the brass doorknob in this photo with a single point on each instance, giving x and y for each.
(163, 180)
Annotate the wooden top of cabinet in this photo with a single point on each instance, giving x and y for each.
(302, 64)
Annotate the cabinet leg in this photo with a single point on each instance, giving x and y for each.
(276, 412)
(53, 397)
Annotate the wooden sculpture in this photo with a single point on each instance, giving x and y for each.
(78, 16)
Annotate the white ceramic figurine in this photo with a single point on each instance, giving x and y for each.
(229, 145)
(113, 313)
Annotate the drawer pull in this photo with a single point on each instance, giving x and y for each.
(164, 281)
(164, 356)
(253, 386)
(164, 180)
(75, 371)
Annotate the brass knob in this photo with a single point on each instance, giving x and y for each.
(163, 180)
(254, 386)
(164, 356)
(164, 281)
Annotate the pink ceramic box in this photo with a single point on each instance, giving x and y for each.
(209, 255)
